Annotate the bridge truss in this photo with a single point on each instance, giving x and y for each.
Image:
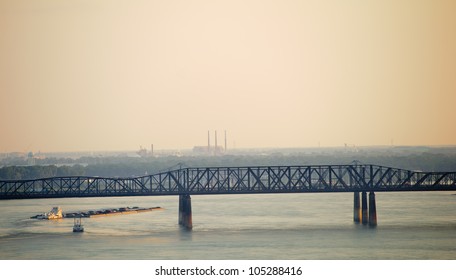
(236, 180)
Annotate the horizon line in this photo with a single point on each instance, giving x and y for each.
(238, 149)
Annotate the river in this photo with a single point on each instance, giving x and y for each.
(411, 225)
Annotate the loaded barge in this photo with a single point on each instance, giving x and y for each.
(56, 212)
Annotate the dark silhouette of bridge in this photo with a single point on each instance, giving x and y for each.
(184, 182)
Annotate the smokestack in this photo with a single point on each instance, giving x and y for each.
(225, 141)
(215, 149)
(208, 142)
(152, 149)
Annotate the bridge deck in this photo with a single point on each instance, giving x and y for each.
(236, 180)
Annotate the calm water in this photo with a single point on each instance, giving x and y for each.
(284, 226)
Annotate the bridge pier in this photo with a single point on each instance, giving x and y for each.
(364, 208)
(365, 215)
(185, 211)
(356, 208)
(181, 207)
(372, 210)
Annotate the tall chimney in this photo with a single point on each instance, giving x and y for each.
(215, 148)
(225, 141)
(208, 142)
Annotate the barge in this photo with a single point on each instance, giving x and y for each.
(94, 213)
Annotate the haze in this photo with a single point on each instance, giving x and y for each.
(114, 75)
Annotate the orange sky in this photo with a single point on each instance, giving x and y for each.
(112, 75)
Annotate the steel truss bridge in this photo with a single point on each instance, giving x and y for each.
(236, 180)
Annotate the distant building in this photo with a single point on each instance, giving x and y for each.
(210, 150)
(144, 153)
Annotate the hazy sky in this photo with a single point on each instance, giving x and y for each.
(113, 75)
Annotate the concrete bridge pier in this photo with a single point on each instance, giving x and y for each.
(356, 208)
(372, 210)
(185, 211)
(181, 207)
(364, 208)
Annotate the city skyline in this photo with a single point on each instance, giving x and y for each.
(113, 75)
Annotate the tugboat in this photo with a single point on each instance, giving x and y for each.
(55, 213)
(77, 227)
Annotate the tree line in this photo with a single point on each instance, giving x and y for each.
(129, 166)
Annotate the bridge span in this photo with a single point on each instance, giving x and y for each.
(356, 178)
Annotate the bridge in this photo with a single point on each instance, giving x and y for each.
(356, 178)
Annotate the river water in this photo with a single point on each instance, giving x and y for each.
(412, 225)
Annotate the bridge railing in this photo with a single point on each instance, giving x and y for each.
(232, 180)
